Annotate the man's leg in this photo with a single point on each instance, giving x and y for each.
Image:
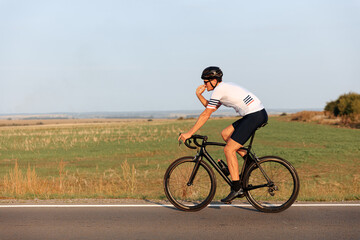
(230, 154)
(226, 134)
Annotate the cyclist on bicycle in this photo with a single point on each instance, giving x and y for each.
(245, 103)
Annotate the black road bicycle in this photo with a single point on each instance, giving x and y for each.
(270, 183)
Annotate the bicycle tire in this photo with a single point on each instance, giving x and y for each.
(194, 197)
(276, 198)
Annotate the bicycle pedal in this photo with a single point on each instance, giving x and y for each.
(228, 202)
(241, 196)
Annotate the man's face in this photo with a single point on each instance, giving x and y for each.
(208, 85)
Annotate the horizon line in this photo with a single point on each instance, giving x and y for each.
(153, 111)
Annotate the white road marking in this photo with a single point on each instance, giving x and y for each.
(326, 205)
(165, 205)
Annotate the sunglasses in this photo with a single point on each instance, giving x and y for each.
(206, 81)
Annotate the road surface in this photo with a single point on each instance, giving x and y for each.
(155, 221)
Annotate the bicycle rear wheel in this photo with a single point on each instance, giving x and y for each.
(196, 196)
(277, 196)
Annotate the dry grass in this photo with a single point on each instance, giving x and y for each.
(109, 183)
(59, 122)
(66, 157)
(69, 135)
(324, 117)
(314, 116)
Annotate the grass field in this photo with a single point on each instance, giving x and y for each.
(127, 158)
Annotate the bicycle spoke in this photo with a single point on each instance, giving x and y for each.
(282, 189)
(192, 197)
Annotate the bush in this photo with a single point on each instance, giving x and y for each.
(347, 106)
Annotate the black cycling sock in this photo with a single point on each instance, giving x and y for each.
(236, 185)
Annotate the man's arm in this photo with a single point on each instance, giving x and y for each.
(204, 116)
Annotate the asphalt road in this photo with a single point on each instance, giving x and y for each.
(164, 222)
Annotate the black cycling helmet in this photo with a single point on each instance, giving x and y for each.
(212, 72)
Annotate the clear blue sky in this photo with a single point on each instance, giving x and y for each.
(83, 55)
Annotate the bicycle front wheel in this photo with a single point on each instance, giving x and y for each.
(189, 196)
(276, 195)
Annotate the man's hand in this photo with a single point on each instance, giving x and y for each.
(184, 136)
(200, 89)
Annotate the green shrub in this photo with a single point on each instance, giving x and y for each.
(346, 106)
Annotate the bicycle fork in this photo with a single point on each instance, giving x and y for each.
(197, 159)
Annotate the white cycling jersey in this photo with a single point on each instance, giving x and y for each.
(232, 95)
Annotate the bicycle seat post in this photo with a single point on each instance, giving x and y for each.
(251, 141)
(253, 135)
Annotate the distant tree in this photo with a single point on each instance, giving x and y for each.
(346, 106)
(332, 108)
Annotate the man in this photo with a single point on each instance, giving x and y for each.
(245, 103)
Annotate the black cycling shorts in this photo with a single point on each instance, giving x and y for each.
(247, 125)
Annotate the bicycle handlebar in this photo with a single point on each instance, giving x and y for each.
(194, 138)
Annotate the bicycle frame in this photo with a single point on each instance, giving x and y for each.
(202, 152)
